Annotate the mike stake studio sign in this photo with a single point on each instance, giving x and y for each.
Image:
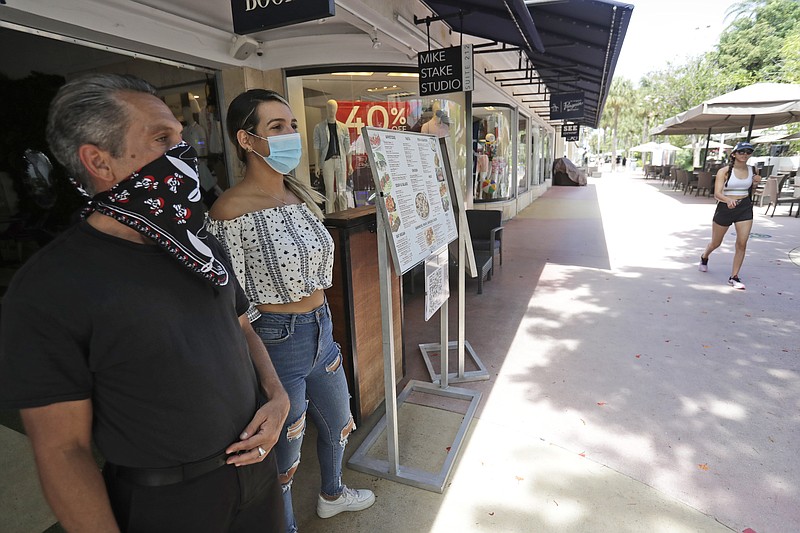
(446, 70)
(250, 16)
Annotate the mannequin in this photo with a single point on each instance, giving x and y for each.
(332, 157)
(439, 124)
(195, 134)
(481, 166)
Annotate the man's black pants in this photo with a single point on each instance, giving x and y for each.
(229, 499)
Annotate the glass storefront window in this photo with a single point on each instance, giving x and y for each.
(353, 100)
(522, 154)
(491, 131)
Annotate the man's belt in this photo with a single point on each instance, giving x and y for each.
(156, 477)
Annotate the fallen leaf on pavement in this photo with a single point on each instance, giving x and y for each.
(703, 466)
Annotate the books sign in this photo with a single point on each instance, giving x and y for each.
(565, 106)
(446, 70)
(250, 16)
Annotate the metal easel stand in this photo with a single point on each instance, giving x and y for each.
(390, 468)
(461, 344)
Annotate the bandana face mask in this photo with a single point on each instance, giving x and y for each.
(162, 201)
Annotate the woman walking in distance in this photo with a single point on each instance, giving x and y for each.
(732, 191)
(270, 225)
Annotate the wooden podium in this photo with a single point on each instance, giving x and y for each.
(355, 304)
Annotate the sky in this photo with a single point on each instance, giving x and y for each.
(669, 31)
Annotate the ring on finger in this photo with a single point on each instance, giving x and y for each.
(261, 452)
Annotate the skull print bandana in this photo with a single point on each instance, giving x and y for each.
(162, 201)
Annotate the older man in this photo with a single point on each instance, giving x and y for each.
(130, 330)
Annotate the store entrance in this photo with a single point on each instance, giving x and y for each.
(37, 200)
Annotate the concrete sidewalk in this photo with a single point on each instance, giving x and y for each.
(629, 392)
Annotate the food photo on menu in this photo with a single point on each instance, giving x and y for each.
(422, 205)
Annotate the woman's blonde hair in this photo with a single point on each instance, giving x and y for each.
(242, 116)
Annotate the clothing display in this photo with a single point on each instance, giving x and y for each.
(159, 351)
(281, 254)
(334, 167)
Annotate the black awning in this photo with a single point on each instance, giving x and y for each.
(503, 21)
(582, 41)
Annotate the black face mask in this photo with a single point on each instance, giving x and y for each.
(162, 201)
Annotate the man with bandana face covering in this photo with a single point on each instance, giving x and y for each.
(130, 330)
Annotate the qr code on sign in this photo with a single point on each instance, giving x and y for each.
(437, 288)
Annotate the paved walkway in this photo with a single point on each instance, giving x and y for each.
(628, 393)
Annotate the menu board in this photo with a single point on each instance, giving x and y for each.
(414, 194)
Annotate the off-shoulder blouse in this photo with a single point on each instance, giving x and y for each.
(280, 255)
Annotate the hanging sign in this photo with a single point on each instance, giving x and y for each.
(571, 132)
(565, 106)
(250, 16)
(446, 70)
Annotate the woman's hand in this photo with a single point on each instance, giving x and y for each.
(732, 203)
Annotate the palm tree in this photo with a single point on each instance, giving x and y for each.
(619, 96)
(744, 9)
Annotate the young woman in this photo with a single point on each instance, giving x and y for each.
(732, 190)
(283, 256)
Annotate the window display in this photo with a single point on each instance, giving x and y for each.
(491, 129)
(522, 154)
(351, 100)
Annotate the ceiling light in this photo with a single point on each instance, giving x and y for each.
(352, 73)
(404, 74)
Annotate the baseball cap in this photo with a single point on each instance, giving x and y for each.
(742, 146)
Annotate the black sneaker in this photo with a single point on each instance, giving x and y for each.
(736, 283)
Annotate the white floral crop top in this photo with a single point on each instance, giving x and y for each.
(280, 255)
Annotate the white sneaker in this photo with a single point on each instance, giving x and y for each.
(349, 500)
(736, 283)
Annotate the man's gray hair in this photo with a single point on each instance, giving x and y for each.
(88, 110)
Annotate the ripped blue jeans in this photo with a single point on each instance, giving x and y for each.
(309, 364)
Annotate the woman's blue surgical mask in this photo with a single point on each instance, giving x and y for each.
(284, 151)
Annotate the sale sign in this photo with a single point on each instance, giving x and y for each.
(390, 115)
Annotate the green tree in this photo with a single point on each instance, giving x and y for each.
(751, 49)
(619, 98)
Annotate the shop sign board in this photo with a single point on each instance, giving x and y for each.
(445, 70)
(566, 106)
(250, 16)
(414, 195)
(571, 132)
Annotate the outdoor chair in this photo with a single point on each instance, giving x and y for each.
(681, 179)
(486, 230)
(691, 182)
(772, 189)
(705, 181)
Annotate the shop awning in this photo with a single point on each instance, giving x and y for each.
(503, 21)
(569, 46)
(582, 41)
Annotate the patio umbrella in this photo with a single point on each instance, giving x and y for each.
(646, 147)
(760, 105)
(765, 139)
(667, 147)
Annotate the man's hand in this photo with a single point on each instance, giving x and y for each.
(262, 432)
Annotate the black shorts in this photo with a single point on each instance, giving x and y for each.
(724, 216)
